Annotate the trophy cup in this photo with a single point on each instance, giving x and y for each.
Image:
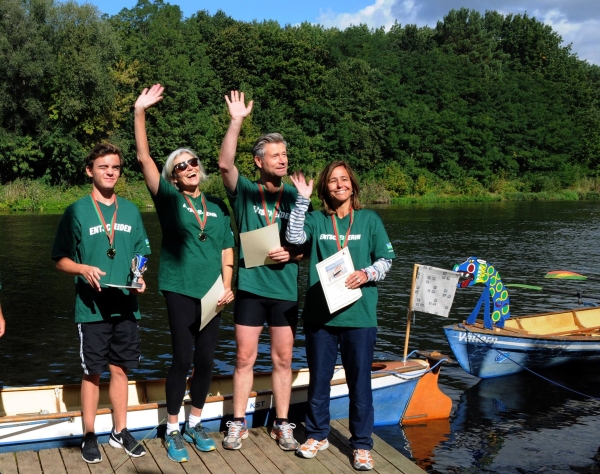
(138, 267)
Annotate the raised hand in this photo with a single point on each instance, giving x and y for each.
(237, 106)
(149, 97)
(305, 190)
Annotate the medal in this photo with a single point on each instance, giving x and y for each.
(202, 223)
(111, 252)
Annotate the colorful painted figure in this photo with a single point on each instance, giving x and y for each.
(474, 271)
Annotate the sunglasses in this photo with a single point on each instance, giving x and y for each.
(184, 164)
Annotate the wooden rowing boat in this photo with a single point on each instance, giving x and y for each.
(530, 342)
(33, 418)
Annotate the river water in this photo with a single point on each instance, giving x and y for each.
(517, 424)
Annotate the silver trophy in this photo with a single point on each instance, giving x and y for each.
(138, 267)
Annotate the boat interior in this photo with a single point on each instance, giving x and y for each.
(583, 322)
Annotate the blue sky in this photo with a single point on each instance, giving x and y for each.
(577, 21)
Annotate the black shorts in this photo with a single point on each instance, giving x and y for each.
(254, 310)
(115, 342)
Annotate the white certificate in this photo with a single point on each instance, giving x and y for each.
(333, 272)
(209, 302)
(257, 244)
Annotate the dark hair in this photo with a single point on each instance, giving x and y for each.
(101, 150)
(323, 191)
(259, 146)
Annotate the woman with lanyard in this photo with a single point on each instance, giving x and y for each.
(197, 248)
(341, 223)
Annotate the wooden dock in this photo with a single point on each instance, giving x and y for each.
(259, 454)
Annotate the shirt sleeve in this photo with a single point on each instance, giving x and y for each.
(67, 237)
(228, 239)
(295, 233)
(142, 245)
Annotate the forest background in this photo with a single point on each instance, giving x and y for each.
(481, 107)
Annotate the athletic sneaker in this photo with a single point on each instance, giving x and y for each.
(176, 451)
(124, 440)
(237, 431)
(284, 433)
(311, 447)
(362, 460)
(89, 449)
(199, 436)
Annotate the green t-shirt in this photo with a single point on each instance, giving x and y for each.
(368, 241)
(187, 265)
(269, 281)
(81, 237)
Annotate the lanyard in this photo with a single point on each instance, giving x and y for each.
(264, 203)
(335, 230)
(202, 223)
(110, 234)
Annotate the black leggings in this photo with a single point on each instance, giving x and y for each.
(184, 322)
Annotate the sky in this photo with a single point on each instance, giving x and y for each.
(576, 21)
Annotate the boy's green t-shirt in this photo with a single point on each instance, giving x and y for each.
(270, 281)
(189, 266)
(82, 238)
(368, 241)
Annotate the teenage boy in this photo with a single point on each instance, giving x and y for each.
(268, 293)
(96, 241)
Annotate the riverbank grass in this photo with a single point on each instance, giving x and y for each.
(32, 195)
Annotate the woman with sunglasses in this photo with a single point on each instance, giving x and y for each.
(197, 247)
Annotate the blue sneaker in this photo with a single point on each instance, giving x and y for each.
(176, 451)
(199, 436)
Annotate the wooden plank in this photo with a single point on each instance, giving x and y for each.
(72, 460)
(309, 466)
(234, 458)
(51, 461)
(394, 457)
(383, 453)
(253, 452)
(29, 462)
(271, 450)
(157, 450)
(8, 463)
(340, 433)
(118, 459)
(146, 464)
(327, 458)
(213, 461)
(195, 465)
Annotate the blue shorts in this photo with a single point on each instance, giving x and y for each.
(255, 310)
(115, 341)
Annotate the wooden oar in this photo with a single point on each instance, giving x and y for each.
(579, 294)
(567, 275)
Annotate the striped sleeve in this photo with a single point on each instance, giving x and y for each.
(294, 233)
(378, 270)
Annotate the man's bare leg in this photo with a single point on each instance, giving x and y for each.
(90, 394)
(282, 346)
(246, 338)
(118, 393)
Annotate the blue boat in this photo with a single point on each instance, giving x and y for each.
(533, 342)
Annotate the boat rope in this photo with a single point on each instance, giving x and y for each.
(139, 443)
(505, 355)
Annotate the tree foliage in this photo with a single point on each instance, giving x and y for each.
(478, 100)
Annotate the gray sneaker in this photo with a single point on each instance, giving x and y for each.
(237, 431)
(284, 434)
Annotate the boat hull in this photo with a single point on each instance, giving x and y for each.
(393, 385)
(488, 354)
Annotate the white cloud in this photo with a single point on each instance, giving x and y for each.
(576, 21)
